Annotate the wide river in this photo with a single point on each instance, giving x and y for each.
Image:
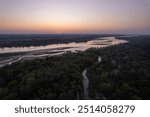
(97, 43)
(54, 49)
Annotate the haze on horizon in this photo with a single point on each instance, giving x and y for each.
(74, 16)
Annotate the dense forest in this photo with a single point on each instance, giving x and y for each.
(123, 73)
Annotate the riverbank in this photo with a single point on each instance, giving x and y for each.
(123, 68)
(55, 49)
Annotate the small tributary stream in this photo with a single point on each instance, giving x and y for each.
(85, 85)
(86, 82)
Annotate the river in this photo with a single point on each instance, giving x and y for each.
(85, 85)
(86, 82)
(54, 49)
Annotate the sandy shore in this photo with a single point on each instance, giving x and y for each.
(28, 53)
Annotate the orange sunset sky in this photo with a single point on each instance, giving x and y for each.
(74, 16)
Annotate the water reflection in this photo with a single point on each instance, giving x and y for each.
(97, 43)
(54, 49)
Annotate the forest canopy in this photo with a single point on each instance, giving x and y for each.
(122, 74)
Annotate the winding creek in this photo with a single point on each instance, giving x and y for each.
(85, 85)
(86, 82)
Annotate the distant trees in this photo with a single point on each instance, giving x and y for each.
(39, 40)
(123, 73)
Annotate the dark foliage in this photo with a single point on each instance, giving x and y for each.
(42, 40)
(122, 74)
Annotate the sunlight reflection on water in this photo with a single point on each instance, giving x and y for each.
(82, 46)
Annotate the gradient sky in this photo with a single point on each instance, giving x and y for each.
(75, 16)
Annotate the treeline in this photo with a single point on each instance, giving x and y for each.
(122, 74)
(43, 40)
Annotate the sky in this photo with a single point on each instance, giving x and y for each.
(74, 16)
